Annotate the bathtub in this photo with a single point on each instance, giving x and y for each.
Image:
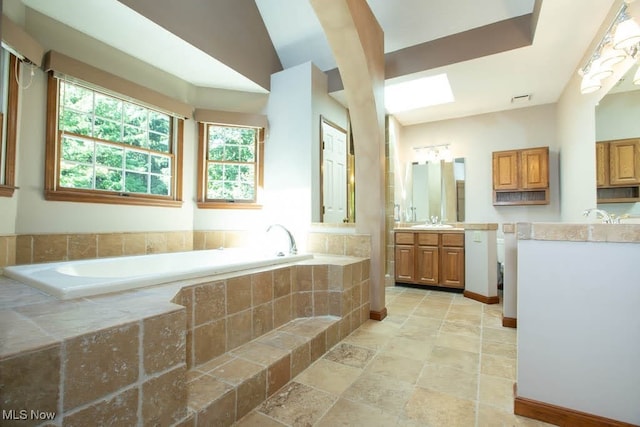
(76, 279)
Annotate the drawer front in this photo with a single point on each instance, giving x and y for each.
(404, 238)
(451, 239)
(428, 239)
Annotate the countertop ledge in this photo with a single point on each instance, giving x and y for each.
(573, 232)
(457, 226)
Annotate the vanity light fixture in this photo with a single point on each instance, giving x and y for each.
(433, 153)
(621, 41)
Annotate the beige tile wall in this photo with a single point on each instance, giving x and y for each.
(36, 248)
(7, 250)
(113, 376)
(339, 244)
(226, 314)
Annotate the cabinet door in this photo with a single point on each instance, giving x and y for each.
(534, 167)
(404, 263)
(427, 265)
(624, 162)
(602, 164)
(452, 267)
(505, 170)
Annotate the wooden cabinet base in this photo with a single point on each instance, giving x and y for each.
(509, 322)
(482, 298)
(561, 416)
(378, 315)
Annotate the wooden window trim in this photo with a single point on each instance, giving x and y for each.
(9, 156)
(202, 202)
(52, 192)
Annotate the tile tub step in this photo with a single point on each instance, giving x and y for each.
(228, 387)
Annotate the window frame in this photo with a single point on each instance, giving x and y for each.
(53, 191)
(9, 132)
(203, 160)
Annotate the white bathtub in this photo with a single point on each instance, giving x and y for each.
(75, 279)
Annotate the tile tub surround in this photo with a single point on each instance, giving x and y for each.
(225, 314)
(37, 248)
(52, 353)
(7, 251)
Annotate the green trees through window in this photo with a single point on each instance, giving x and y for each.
(231, 163)
(110, 144)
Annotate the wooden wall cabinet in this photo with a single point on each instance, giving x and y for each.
(521, 177)
(429, 258)
(618, 171)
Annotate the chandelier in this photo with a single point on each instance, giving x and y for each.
(621, 41)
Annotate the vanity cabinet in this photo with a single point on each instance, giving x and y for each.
(430, 258)
(521, 177)
(618, 170)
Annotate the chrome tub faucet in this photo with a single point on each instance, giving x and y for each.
(293, 249)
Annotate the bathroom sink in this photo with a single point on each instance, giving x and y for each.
(432, 226)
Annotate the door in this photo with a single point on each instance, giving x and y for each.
(452, 271)
(534, 165)
(602, 164)
(334, 173)
(624, 159)
(404, 263)
(427, 269)
(505, 170)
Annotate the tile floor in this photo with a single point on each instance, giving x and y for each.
(438, 359)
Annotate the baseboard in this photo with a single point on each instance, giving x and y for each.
(560, 416)
(481, 298)
(509, 322)
(378, 315)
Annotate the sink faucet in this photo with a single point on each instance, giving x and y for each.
(293, 249)
(606, 217)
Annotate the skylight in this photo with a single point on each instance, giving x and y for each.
(424, 92)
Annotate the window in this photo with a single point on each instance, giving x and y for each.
(109, 149)
(230, 166)
(8, 122)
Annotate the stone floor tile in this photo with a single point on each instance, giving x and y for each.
(298, 405)
(348, 413)
(329, 376)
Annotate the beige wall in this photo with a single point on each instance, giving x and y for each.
(474, 138)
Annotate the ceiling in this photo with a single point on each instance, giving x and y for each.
(482, 80)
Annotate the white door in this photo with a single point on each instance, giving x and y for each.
(334, 174)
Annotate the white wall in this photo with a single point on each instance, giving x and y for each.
(33, 213)
(474, 138)
(292, 170)
(578, 326)
(618, 116)
(294, 106)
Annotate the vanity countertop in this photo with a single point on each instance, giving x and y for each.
(456, 227)
(430, 229)
(573, 232)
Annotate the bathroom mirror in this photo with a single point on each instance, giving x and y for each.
(337, 164)
(437, 190)
(617, 116)
(618, 111)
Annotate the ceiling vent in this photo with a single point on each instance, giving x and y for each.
(521, 99)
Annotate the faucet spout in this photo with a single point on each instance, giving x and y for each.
(293, 249)
(601, 213)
